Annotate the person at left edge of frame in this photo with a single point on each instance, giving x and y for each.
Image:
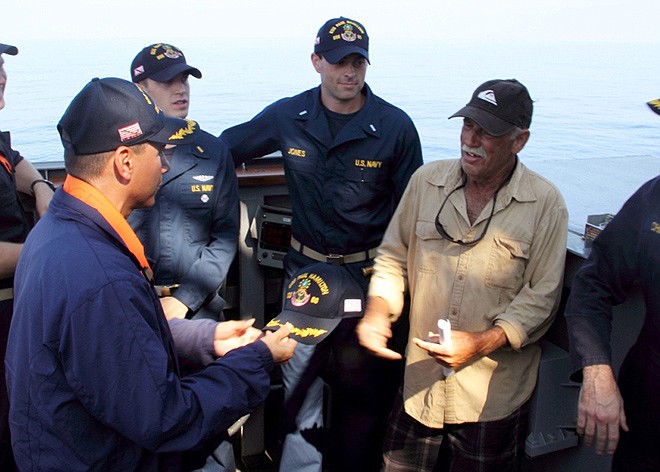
(17, 174)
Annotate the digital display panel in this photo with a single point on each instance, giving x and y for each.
(275, 236)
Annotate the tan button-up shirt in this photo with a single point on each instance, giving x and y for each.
(512, 278)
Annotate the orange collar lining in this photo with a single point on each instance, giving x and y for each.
(6, 164)
(91, 196)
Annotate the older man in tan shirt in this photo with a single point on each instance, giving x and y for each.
(480, 242)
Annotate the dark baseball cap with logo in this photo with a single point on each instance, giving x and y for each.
(499, 106)
(111, 112)
(161, 62)
(318, 297)
(7, 49)
(340, 37)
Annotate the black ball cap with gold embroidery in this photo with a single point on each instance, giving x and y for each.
(340, 37)
(161, 62)
(318, 297)
(111, 112)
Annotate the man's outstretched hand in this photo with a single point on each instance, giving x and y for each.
(280, 344)
(232, 334)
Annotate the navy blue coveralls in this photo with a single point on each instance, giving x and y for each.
(627, 252)
(14, 228)
(92, 371)
(190, 235)
(343, 190)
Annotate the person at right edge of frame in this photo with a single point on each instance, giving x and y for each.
(348, 156)
(480, 244)
(620, 419)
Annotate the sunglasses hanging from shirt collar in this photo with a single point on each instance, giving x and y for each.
(441, 229)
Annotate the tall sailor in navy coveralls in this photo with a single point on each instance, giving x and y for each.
(190, 235)
(16, 174)
(348, 156)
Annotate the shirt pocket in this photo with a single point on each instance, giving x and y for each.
(196, 202)
(506, 263)
(362, 191)
(429, 247)
(300, 161)
(366, 174)
(193, 194)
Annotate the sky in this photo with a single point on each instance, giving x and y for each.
(457, 20)
(477, 38)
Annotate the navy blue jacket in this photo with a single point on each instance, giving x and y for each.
(190, 235)
(625, 253)
(343, 190)
(91, 367)
(13, 221)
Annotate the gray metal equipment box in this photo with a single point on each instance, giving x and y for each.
(274, 235)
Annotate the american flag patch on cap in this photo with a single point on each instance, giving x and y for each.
(130, 132)
(139, 70)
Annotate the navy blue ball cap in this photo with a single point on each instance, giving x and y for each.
(340, 37)
(111, 112)
(498, 106)
(7, 49)
(318, 297)
(161, 62)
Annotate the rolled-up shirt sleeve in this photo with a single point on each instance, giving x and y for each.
(618, 259)
(532, 311)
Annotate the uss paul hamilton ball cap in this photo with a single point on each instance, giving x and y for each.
(111, 112)
(318, 297)
(498, 106)
(340, 37)
(161, 62)
(7, 49)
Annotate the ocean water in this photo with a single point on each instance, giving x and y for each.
(589, 97)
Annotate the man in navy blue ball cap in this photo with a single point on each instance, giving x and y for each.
(161, 62)
(93, 373)
(16, 175)
(191, 231)
(340, 37)
(348, 156)
(198, 195)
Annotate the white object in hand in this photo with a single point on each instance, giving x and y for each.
(444, 337)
